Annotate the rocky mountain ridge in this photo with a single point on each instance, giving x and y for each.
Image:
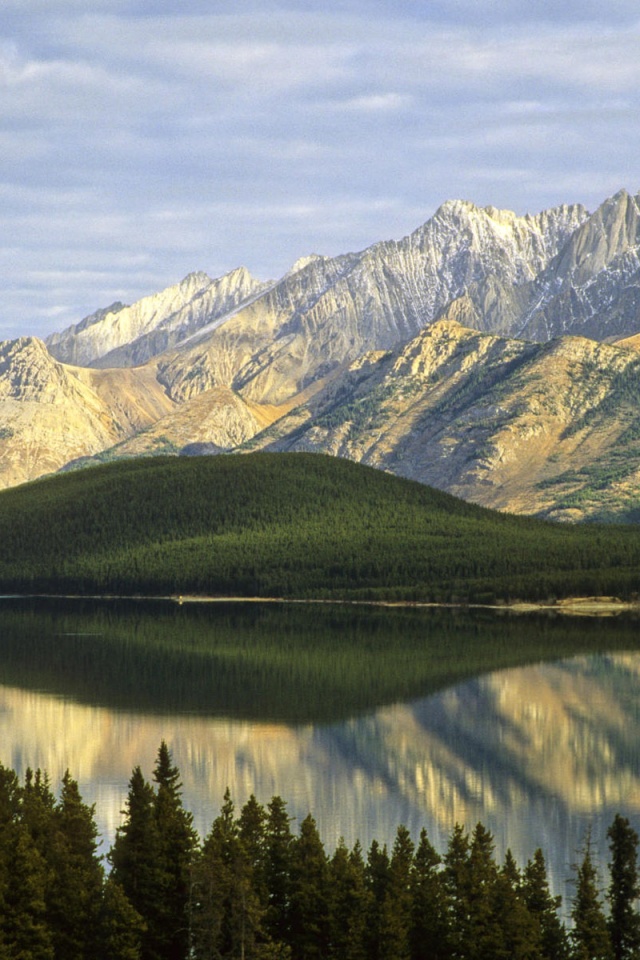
(371, 355)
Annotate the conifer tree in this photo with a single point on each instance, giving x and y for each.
(278, 852)
(176, 843)
(135, 859)
(377, 877)
(309, 905)
(624, 890)
(590, 935)
(73, 901)
(394, 929)
(349, 904)
(227, 921)
(519, 929)
(24, 930)
(485, 932)
(456, 876)
(544, 908)
(121, 927)
(429, 927)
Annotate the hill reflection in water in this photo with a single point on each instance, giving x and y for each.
(536, 752)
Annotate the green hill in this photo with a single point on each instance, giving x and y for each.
(291, 525)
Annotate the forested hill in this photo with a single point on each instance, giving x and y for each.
(291, 525)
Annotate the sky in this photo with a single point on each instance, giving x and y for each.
(141, 140)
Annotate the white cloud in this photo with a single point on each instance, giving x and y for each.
(140, 142)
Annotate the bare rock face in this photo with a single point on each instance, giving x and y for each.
(517, 426)
(47, 416)
(123, 336)
(590, 288)
(330, 311)
(402, 355)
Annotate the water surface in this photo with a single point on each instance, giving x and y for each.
(368, 718)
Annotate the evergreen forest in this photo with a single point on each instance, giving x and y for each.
(298, 526)
(256, 889)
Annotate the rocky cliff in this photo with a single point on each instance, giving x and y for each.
(402, 355)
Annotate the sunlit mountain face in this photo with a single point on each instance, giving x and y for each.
(537, 753)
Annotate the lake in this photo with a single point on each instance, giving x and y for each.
(367, 717)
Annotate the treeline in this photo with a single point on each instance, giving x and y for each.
(255, 890)
(292, 525)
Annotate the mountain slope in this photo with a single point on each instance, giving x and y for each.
(358, 343)
(122, 336)
(513, 425)
(590, 288)
(291, 525)
(329, 312)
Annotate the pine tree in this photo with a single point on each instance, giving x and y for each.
(309, 905)
(590, 935)
(176, 844)
(135, 859)
(23, 923)
(429, 928)
(349, 904)
(456, 876)
(73, 900)
(377, 877)
(121, 927)
(278, 853)
(544, 908)
(624, 890)
(394, 930)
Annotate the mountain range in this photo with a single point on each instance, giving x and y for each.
(491, 355)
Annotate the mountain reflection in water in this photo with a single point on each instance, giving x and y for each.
(536, 752)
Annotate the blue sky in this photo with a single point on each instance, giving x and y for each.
(143, 140)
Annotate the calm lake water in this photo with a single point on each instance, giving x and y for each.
(366, 717)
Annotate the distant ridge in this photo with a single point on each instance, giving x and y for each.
(295, 526)
(478, 354)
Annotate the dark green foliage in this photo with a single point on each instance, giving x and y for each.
(257, 892)
(310, 894)
(176, 843)
(624, 890)
(544, 907)
(136, 860)
(121, 927)
(429, 921)
(73, 901)
(590, 936)
(349, 904)
(291, 525)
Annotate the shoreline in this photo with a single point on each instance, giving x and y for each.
(570, 606)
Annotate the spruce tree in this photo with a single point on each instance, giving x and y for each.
(349, 904)
(73, 901)
(590, 934)
(429, 927)
(309, 905)
(624, 890)
(227, 920)
(24, 930)
(121, 926)
(456, 876)
(176, 843)
(544, 908)
(486, 935)
(135, 859)
(394, 929)
(377, 877)
(278, 853)
(519, 929)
